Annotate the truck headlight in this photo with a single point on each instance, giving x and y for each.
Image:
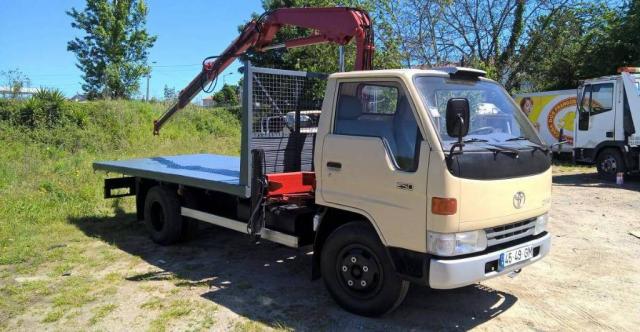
(541, 224)
(452, 244)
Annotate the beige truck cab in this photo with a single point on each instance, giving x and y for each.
(446, 169)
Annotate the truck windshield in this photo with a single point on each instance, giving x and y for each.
(494, 118)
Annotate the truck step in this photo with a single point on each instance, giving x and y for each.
(239, 226)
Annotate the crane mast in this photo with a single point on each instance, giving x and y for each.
(337, 25)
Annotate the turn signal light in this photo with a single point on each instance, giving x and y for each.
(444, 206)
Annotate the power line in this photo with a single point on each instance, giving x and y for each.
(186, 65)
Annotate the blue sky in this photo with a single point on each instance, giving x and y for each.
(34, 36)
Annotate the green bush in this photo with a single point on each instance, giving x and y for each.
(48, 119)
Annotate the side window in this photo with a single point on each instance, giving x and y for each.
(382, 110)
(601, 98)
(585, 99)
(379, 99)
(583, 110)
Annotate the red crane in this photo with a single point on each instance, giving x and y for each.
(331, 25)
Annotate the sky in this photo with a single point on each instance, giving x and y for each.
(34, 36)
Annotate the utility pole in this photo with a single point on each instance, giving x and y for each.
(148, 78)
(224, 78)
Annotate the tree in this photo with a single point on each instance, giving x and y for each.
(558, 60)
(227, 96)
(15, 80)
(584, 42)
(113, 52)
(619, 43)
(170, 93)
(494, 35)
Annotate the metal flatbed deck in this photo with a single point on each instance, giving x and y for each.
(206, 171)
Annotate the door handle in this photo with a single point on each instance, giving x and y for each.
(334, 164)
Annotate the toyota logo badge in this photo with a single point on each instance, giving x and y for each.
(518, 200)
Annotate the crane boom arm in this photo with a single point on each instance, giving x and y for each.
(331, 25)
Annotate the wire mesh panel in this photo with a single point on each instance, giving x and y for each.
(283, 110)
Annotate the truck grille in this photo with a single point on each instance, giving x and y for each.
(506, 233)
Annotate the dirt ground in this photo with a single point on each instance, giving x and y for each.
(589, 281)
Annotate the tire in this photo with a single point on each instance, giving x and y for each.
(358, 272)
(162, 215)
(609, 163)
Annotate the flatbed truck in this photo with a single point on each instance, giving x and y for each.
(431, 177)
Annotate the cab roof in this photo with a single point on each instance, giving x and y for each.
(409, 73)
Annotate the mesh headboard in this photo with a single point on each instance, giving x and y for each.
(284, 112)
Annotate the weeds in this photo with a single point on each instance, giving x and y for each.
(101, 312)
(50, 198)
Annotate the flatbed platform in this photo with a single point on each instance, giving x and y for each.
(206, 171)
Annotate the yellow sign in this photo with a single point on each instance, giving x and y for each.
(550, 112)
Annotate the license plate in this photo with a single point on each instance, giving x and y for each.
(515, 256)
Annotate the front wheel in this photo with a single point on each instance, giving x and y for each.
(358, 272)
(610, 163)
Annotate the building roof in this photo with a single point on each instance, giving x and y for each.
(24, 90)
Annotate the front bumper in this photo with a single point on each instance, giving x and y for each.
(454, 273)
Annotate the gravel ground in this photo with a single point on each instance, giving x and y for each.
(589, 281)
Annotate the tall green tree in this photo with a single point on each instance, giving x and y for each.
(227, 96)
(619, 43)
(113, 51)
(584, 42)
(324, 58)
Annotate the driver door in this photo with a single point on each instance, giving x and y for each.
(374, 161)
(596, 118)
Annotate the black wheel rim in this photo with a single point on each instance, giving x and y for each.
(609, 165)
(157, 216)
(359, 271)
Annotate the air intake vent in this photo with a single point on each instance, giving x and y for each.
(506, 233)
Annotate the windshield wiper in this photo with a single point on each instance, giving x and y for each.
(503, 149)
(533, 146)
(544, 150)
(475, 140)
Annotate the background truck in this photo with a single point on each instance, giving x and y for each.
(606, 130)
(599, 120)
(427, 176)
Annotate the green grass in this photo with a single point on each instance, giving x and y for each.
(171, 311)
(200, 314)
(101, 312)
(49, 192)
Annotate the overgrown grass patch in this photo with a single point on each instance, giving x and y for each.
(101, 312)
(170, 311)
(51, 204)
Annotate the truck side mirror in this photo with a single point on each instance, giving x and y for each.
(457, 117)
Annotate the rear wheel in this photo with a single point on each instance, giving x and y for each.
(358, 273)
(162, 215)
(609, 163)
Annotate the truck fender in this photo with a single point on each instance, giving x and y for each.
(406, 263)
(325, 222)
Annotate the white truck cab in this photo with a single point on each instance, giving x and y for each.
(607, 123)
